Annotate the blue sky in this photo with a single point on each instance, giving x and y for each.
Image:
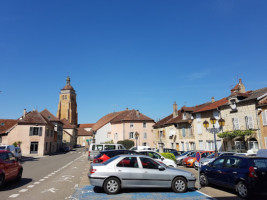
(140, 54)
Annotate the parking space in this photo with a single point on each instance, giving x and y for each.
(88, 192)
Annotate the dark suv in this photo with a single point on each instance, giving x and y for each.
(105, 155)
(10, 168)
(242, 173)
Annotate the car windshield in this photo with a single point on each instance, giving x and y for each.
(260, 163)
(2, 148)
(183, 154)
(193, 155)
(213, 155)
(110, 160)
(175, 153)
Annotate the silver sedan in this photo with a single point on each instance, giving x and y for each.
(138, 171)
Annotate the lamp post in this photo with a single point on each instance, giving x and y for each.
(213, 122)
(136, 137)
(94, 133)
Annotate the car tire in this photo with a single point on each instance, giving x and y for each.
(112, 185)
(2, 179)
(98, 189)
(179, 185)
(19, 176)
(242, 190)
(203, 180)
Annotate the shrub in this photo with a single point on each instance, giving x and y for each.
(169, 156)
(126, 143)
(15, 144)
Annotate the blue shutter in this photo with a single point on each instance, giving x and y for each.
(31, 131)
(40, 131)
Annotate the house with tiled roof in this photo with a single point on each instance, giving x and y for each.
(243, 112)
(262, 116)
(32, 131)
(123, 125)
(70, 134)
(58, 127)
(204, 137)
(85, 134)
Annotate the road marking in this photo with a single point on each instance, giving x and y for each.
(76, 185)
(23, 190)
(53, 190)
(46, 177)
(41, 179)
(13, 195)
(36, 183)
(30, 186)
(50, 175)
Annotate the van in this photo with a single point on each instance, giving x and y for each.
(94, 149)
(134, 148)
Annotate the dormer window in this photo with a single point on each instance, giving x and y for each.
(184, 115)
(233, 104)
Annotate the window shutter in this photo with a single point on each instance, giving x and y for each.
(264, 117)
(40, 131)
(235, 123)
(31, 131)
(199, 129)
(250, 122)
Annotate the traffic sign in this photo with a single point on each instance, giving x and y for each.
(198, 156)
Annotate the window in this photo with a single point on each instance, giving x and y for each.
(144, 124)
(4, 156)
(198, 116)
(249, 122)
(182, 143)
(232, 162)
(131, 125)
(145, 135)
(116, 136)
(199, 128)
(235, 124)
(154, 155)
(36, 131)
(218, 163)
(201, 145)
(131, 135)
(128, 162)
(34, 148)
(210, 145)
(161, 134)
(253, 145)
(51, 133)
(183, 132)
(97, 147)
(192, 146)
(233, 105)
(239, 145)
(184, 115)
(149, 163)
(264, 118)
(187, 146)
(110, 147)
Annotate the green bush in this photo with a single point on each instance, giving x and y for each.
(126, 143)
(169, 156)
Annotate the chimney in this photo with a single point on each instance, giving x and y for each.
(241, 88)
(175, 110)
(137, 113)
(24, 113)
(126, 108)
(212, 100)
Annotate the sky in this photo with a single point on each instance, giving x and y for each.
(136, 54)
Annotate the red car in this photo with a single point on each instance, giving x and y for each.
(10, 168)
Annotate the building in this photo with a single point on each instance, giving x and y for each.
(58, 127)
(124, 125)
(32, 132)
(262, 116)
(85, 135)
(70, 134)
(67, 106)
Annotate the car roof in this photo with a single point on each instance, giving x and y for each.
(115, 150)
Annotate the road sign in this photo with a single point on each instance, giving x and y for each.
(198, 156)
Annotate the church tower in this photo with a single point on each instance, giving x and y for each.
(67, 106)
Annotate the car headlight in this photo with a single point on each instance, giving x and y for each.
(190, 160)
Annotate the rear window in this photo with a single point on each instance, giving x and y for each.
(110, 160)
(260, 163)
(97, 147)
(2, 148)
(99, 155)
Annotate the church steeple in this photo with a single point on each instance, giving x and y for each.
(67, 106)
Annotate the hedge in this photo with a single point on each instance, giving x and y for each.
(169, 156)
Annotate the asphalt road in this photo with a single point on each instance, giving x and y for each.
(49, 177)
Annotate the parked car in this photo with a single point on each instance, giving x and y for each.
(10, 148)
(210, 158)
(138, 171)
(245, 174)
(66, 149)
(168, 150)
(190, 161)
(179, 159)
(18, 153)
(134, 148)
(262, 153)
(105, 155)
(10, 168)
(94, 149)
(158, 157)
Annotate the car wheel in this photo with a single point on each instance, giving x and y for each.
(203, 180)
(179, 185)
(2, 179)
(112, 185)
(19, 176)
(242, 190)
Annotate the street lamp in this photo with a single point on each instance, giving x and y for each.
(136, 137)
(213, 122)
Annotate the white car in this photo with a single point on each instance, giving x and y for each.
(157, 157)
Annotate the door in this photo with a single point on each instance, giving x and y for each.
(230, 171)
(152, 176)
(129, 171)
(177, 147)
(214, 172)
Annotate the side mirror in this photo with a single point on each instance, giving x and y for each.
(162, 158)
(161, 168)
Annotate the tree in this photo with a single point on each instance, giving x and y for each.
(126, 143)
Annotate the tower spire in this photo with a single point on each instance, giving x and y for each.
(68, 80)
